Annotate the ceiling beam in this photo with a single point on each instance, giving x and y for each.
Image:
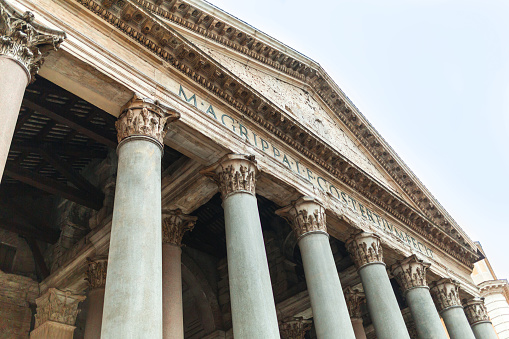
(58, 148)
(86, 128)
(53, 187)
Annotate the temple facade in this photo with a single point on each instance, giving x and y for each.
(169, 171)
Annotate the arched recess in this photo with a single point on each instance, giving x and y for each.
(200, 301)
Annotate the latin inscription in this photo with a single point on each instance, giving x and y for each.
(303, 171)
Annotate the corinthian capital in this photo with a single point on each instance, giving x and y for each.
(475, 311)
(305, 215)
(365, 248)
(175, 224)
(25, 41)
(410, 272)
(295, 328)
(234, 173)
(144, 117)
(57, 306)
(354, 299)
(445, 293)
(96, 273)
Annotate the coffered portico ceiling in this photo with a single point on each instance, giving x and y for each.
(149, 23)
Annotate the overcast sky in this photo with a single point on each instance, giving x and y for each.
(432, 77)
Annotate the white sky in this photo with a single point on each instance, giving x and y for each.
(432, 76)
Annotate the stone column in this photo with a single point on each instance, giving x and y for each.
(96, 277)
(23, 44)
(354, 299)
(133, 295)
(330, 313)
(367, 253)
(252, 301)
(295, 328)
(56, 315)
(411, 276)
(477, 316)
(446, 297)
(175, 224)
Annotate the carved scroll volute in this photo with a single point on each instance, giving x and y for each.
(354, 299)
(475, 311)
(365, 248)
(57, 306)
(145, 117)
(295, 328)
(234, 173)
(410, 272)
(25, 41)
(175, 224)
(305, 215)
(445, 293)
(96, 272)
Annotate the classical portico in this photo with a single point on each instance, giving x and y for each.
(174, 173)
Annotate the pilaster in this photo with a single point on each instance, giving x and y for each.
(234, 173)
(410, 273)
(365, 248)
(295, 328)
(305, 215)
(24, 41)
(56, 314)
(445, 293)
(175, 224)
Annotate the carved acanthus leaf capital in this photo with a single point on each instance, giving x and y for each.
(96, 272)
(365, 248)
(475, 311)
(305, 215)
(25, 41)
(234, 173)
(175, 224)
(144, 117)
(58, 306)
(295, 328)
(354, 299)
(410, 272)
(445, 293)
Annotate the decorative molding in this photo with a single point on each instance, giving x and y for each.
(410, 272)
(145, 117)
(137, 20)
(365, 248)
(490, 287)
(354, 299)
(295, 328)
(234, 173)
(475, 310)
(445, 294)
(25, 41)
(175, 224)
(57, 306)
(305, 215)
(96, 272)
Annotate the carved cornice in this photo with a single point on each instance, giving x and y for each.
(234, 173)
(58, 306)
(135, 18)
(96, 272)
(305, 215)
(175, 224)
(25, 41)
(475, 310)
(445, 293)
(354, 299)
(494, 287)
(145, 117)
(410, 272)
(365, 248)
(295, 328)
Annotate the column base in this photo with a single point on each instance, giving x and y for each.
(53, 330)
